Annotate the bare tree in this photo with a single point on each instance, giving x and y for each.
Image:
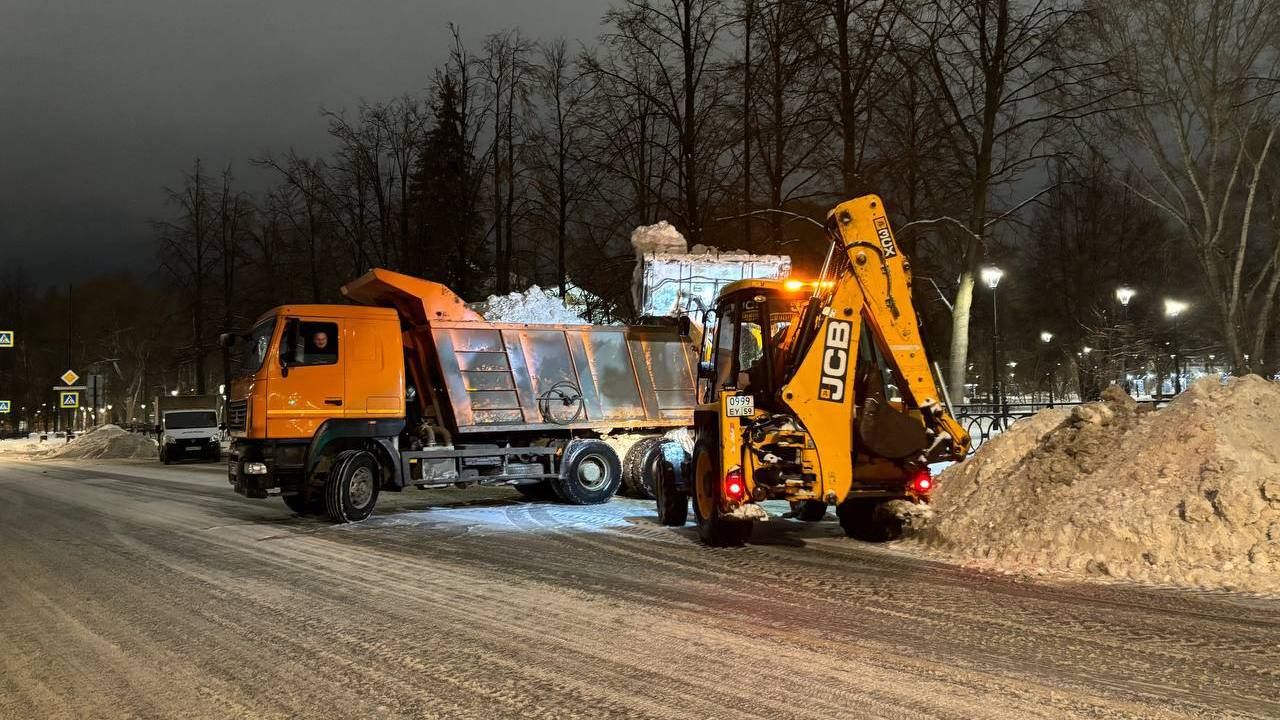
(189, 254)
(1202, 84)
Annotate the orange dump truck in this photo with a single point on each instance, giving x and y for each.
(409, 387)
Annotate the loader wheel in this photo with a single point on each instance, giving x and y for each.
(590, 473)
(808, 510)
(713, 528)
(351, 490)
(868, 519)
(637, 478)
(673, 503)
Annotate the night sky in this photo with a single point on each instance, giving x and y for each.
(104, 103)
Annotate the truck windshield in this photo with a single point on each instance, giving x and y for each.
(253, 351)
(188, 419)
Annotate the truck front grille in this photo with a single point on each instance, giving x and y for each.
(237, 414)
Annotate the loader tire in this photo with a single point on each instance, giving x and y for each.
(868, 519)
(351, 490)
(590, 473)
(808, 510)
(713, 528)
(635, 467)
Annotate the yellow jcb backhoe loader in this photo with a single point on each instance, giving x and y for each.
(815, 392)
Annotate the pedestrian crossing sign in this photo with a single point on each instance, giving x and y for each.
(4, 406)
(6, 338)
(69, 400)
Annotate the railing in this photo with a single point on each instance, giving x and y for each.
(984, 421)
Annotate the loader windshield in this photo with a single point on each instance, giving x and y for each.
(753, 340)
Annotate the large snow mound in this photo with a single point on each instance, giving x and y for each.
(25, 446)
(535, 306)
(108, 441)
(1185, 495)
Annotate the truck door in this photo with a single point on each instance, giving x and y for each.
(307, 382)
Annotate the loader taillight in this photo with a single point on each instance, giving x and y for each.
(922, 483)
(734, 488)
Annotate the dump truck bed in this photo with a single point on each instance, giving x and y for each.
(500, 377)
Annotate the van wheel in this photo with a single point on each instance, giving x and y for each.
(590, 473)
(351, 490)
(713, 528)
(164, 455)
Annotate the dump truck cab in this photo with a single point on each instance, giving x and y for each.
(314, 378)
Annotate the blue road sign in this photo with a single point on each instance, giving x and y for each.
(69, 400)
(4, 406)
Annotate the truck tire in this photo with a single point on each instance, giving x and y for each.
(351, 490)
(808, 510)
(673, 503)
(713, 528)
(590, 473)
(637, 475)
(867, 519)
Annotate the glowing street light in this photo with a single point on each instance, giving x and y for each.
(991, 276)
(1125, 294)
(1174, 308)
(1046, 336)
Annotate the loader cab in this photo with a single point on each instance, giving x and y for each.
(747, 339)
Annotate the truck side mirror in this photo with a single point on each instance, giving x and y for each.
(227, 340)
(288, 346)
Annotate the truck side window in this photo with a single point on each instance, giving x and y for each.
(319, 343)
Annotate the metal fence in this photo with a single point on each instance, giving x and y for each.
(985, 421)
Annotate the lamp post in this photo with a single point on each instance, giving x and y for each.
(1124, 294)
(991, 276)
(1173, 309)
(1046, 337)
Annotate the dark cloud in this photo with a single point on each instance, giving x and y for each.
(104, 103)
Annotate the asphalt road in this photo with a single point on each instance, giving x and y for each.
(128, 590)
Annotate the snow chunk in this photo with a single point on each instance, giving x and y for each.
(661, 237)
(534, 306)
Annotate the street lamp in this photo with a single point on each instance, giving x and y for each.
(991, 275)
(1125, 294)
(1046, 337)
(1173, 309)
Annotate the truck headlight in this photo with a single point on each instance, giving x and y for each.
(255, 468)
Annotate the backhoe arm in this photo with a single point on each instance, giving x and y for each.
(861, 228)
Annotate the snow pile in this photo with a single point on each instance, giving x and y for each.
(535, 306)
(106, 442)
(27, 445)
(671, 279)
(1188, 494)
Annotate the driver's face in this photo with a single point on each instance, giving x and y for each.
(321, 340)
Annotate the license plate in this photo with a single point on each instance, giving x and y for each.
(740, 406)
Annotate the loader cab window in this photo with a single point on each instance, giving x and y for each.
(317, 343)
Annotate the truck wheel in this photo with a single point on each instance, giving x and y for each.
(590, 473)
(868, 519)
(351, 490)
(713, 528)
(808, 510)
(634, 466)
(673, 504)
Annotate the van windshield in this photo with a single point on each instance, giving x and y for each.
(252, 352)
(189, 419)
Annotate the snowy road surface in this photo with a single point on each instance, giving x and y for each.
(128, 590)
